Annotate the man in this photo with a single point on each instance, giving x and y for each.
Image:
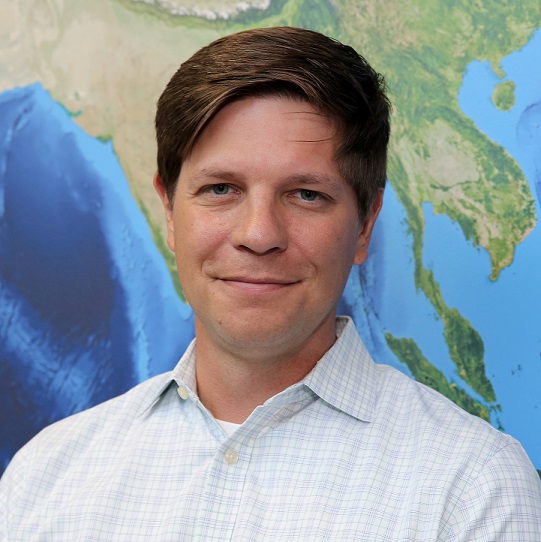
(276, 424)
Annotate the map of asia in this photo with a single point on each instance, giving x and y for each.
(89, 300)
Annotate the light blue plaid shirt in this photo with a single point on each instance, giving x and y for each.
(356, 451)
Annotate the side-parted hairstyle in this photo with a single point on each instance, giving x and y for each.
(289, 62)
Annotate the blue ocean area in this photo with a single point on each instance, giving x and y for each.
(381, 295)
(88, 306)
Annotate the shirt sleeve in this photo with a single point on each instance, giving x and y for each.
(502, 503)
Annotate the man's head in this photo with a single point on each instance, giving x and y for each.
(286, 62)
(271, 155)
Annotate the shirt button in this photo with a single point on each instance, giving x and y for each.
(183, 392)
(231, 457)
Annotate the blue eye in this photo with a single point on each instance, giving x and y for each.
(220, 189)
(309, 195)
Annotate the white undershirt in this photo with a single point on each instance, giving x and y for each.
(228, 427)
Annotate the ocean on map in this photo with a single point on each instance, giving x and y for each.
(88, 308)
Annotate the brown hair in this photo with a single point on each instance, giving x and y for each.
(285, 61)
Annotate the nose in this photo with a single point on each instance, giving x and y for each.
(260, 227)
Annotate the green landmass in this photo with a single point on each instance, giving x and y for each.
(105, 138)
(465, 345)
(423, 47)
(503, 96)
(423, 371)
(495, 198)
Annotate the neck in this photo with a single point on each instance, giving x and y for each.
(231, 384)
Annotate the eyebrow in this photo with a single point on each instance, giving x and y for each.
(317, 179)
(219, 174)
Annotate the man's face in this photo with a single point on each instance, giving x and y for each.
(264, 229)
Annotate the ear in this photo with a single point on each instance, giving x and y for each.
(363, 240)
(160, 188)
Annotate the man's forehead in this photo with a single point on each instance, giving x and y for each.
(300, 110)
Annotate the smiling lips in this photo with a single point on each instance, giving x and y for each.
(257, 284)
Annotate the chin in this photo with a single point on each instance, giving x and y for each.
(255, 336)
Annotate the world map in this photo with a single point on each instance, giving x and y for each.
(90, 301)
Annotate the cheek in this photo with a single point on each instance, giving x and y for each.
(198, 237)
(338, 242)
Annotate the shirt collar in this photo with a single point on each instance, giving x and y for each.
(345, 377)
(183, 374)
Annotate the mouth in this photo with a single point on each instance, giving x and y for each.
(257, 284)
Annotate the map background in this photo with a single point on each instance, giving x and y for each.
(105, 62)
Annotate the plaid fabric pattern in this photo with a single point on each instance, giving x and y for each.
(356, 451)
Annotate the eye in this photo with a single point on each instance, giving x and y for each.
(309, 195)
(220, 189)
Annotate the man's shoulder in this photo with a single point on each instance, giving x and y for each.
(76, 433)
(433, 419)
(131, 403)
(398, 407)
